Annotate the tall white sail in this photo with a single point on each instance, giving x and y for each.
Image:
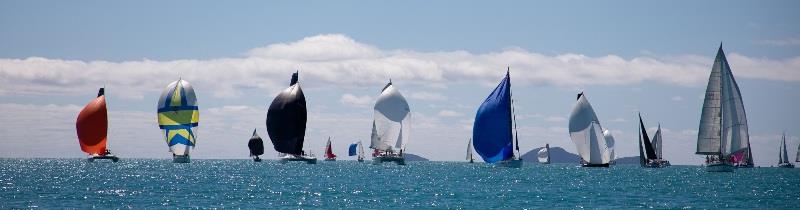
(586, 133)
(657, 142)
(734, 121)
(785, 157)
(609, 138)
(469, 151)
(708, 136)
(390, 126)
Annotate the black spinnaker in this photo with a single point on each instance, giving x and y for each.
(286, 119)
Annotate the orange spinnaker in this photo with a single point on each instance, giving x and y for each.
(92, 126)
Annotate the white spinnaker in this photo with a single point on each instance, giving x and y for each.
(597, 146)
(609, 138)
(390, 127)
(657, 142)
(708, 135)
(542, 155)
(734, 122)
(581, 123)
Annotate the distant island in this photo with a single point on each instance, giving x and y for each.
(559, 155)
(413, 157)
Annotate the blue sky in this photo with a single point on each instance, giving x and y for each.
(445, 56)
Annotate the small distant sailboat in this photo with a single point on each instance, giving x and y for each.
(609, 138)
(178, 117)
(470, 156)
(797, 158)
(286, 123)
(492, 131)
(92, 128)
(651, 157)
(256, 146)
(723, 125)
(390, 126)
(783, 156)
(544, 154)
(356, 148)
(587, 134)
(329, 156)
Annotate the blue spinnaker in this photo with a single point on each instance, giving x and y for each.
(491, 133)
(352, 150)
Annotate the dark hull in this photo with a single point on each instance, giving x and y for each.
(596, 165)
(104, 157)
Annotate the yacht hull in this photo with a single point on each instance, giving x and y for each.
(292, 158)
(181, 159)
(720, 167)
(396, 159)
(103, 157)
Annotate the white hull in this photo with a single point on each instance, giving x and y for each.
(181, 159)
(782, 165)
(396, 159)
(720, 167)
(297, 158)
(513, 163)
(103, 157)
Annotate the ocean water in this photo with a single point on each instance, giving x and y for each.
(157, 183)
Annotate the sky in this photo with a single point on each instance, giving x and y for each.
(444, 56)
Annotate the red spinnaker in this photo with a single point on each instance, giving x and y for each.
(92, 126)
(329, 152)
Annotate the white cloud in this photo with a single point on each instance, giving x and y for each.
(450, 113)
(335, 60)
(427, 96)
(356, 101)
(782, 42)
(555, 119)
(619, 119)
(677, 98)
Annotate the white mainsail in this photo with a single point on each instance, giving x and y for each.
(470, 156)
(586, 132)
(785, 157)
(723, 124)
(797, 158)
(390, 126)
(610, 144)
(657, 142)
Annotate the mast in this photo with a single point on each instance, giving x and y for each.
(513, 115)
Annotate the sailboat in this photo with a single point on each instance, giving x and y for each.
(797, 158)
(92, 128)
(492, 134)
(256, 146)
(178, 117)
(783, 156)
(470, 156)
(649, 156)
(609, 138)
(587, 134)
(544, 154)
(356, 148)
(723, 124)
(286, 123)
(390, 126)
(329, 156)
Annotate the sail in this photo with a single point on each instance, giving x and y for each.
(92, 125)
(469, 150)
(544, 155)
(609, 138)
(797, 157)
(390, 126)
(286, 119)
(360, 150)
(178, 116)
(329, 150)
(586, 132)
(734, 120)
(352, 149)
(785, 156)
(708, 136)
(648, 147)
(491, 131)
(642, 158)
(256, 145)
(657, 142)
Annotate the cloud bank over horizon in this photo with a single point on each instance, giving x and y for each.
(338, 60)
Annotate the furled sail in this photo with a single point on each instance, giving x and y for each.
(92, 125)
(178, 116)
(286, 119)
(657, 142)
(734, 120)
(329, 150)
(256, 145)
(609, 138)
(390, 126)
(544, 154)
(491, 132)
(586, 132)
(650, 153)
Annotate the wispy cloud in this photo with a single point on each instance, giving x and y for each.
(427, 96)
(356, 101)
(793, 41)
(335, 60)
(555, 119)
(450, 113)
(676, 98)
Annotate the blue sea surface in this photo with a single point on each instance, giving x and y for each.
(156, 183)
